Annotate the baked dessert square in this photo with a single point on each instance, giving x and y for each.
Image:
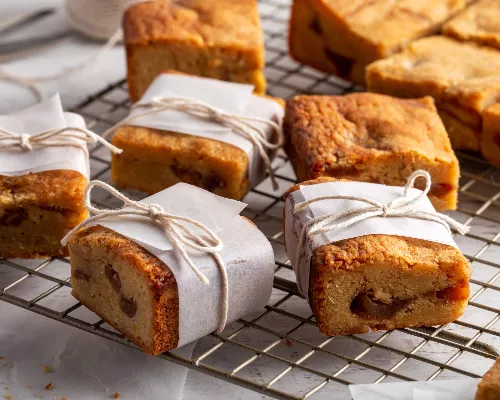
(148, 297)
(379, 282)
(490, 143)
(37, 210)
(479, 23)
(307, 45)
(489, 387)
(154, 159)
(220, 39)
(463, 78)
(371, 138)
(342, 37)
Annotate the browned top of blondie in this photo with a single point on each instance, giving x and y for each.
(158, 272)
(463, 73)
(403, 252)
(61, 188)
(233, 24)
(479, 23)
(360, 126)
(390, 25)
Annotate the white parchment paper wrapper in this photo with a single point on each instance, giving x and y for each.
(247, 254)
(455, 389)
(234, 98)
(399, 226)
(39, 118)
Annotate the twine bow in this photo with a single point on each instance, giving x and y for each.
(242, 125)
(53, 137)
(178, 233)
(399, 207)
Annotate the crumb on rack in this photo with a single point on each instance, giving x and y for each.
(116, 395)
(288, 342)
(64, 398)
(47, 369)
(49, 386)
(38, 395)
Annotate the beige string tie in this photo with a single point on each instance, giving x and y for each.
(53, 137)
(242, 125)
(399, 207)
(175, 228)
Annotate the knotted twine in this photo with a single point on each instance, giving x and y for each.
(242, 125)
(53, 138)
(399, 207)
(176, 232)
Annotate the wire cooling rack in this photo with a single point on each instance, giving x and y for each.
(279, 352)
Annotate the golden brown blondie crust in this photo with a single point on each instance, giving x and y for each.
(153, 160)
(221, 39)
(479, 23)
(371, 138)
(355, 33)
(37, 210)
(377, 282)
(463, 78)
(127, 286)
(489, 387)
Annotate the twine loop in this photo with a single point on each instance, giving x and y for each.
(246, 126)
(53, 138)
(399, 207)
(179, 231)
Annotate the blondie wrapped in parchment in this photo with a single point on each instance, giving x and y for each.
(164, 280)
(372, 264)
(44, 167)
(208, 133)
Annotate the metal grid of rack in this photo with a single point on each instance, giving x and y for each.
(279, 352)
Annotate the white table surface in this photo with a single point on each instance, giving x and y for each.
(147, 374)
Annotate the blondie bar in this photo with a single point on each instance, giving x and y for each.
(342, 37)
(220, 39)
(378, 282)
(37, 210)
(479, 23)
(155, 159)
(141, 295)
(371, 138)
(489, 387)
(463, 78)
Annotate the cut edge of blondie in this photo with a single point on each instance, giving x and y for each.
(128, 287)
(37, 210)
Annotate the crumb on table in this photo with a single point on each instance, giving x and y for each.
(116, 395)
(38, 395)
(47, 369)
(49, 386)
